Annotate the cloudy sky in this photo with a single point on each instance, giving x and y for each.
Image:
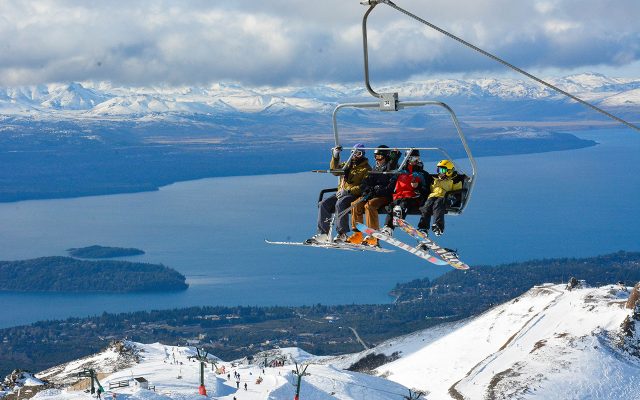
(279, 42)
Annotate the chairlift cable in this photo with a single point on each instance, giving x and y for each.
(503, 62)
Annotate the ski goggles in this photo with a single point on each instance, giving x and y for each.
(358, 153)
(413, 159)
(442, 170)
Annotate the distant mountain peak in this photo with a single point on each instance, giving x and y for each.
(98, 99)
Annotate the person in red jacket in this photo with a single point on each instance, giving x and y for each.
(409, 187)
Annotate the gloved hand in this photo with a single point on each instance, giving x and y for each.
(377, 189)
(335, 152)
(341, 193)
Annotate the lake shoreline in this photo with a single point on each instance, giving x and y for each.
(147, 187)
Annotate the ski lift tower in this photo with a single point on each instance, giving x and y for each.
(201, 355)
(93, 377)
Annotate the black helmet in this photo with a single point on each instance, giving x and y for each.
(414, 153)
(382, 149)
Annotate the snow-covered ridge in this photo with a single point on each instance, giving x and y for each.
(553, 342)
(550, 343)
(102, 99)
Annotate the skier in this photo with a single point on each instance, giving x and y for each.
(376, 192)
(348, 191)
(409, 186)
(435, 204)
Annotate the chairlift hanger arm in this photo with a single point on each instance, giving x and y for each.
(373, 3)
(407, 104)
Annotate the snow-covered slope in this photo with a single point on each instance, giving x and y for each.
(549, 343)
(173, 373)
(553, 342)
(629, 98)
(95, 100)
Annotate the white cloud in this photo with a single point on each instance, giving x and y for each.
(278, 42)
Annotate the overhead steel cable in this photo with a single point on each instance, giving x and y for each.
(503, 62)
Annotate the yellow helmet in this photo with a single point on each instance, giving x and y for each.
(446, 167)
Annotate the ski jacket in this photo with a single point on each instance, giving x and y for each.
(404, 189)
(353, 176)
(380, 185)
(440, 187)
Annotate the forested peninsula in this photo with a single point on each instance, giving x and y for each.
(67, 274)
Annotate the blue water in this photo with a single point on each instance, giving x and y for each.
(570, 203)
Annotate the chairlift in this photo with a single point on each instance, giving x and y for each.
(389, 102)
(456, 201)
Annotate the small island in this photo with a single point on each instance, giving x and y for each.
(67, 274)
(96, 251)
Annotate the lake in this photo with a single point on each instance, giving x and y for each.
(574, 203)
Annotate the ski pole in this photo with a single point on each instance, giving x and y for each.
(328, 171)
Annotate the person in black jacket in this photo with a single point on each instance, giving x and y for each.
(376, 193)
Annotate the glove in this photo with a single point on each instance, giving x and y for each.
(335, 152)
(341, 193)
(377, 189)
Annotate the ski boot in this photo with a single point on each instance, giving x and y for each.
(318, 238)
(371, 241)
(397, 212)
(341, 238)
(387, 230)
(355, 238)
(437, 230)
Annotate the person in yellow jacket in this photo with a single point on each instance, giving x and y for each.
(435, 204)
(348, 190)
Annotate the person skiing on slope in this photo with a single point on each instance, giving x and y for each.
(435, 204)
(348, 191)
(409, 186)
(376, 192)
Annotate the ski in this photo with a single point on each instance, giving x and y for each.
(334, 245)
(395, 242)
(446, 255)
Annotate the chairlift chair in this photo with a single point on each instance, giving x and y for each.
(388, 102)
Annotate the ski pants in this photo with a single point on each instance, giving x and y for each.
(404, 204)
(332, 204)
(433, 206)
(368, 209)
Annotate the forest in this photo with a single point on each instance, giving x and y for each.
(67, 274)
(97, 251)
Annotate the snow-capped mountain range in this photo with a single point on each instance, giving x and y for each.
(100, 100)
(553, 342)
